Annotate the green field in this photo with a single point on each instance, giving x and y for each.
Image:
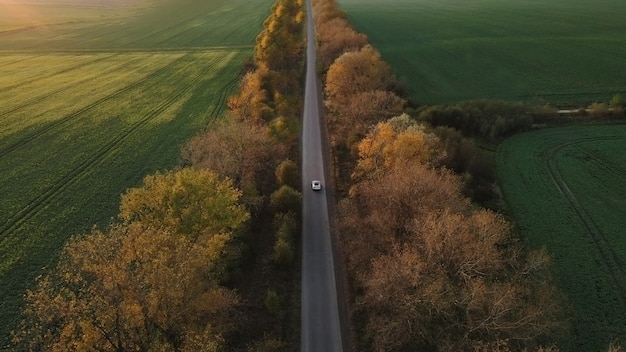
(562, 52)
(565, 188)
(92, 99)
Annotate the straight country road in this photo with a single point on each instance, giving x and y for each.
(320, 323)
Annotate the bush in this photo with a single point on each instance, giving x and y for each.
(286, 225)
(287, 173)
(272, 302)
(283, 254)
(286, 199)
(491, 120)
(284, 129)
(598, 110)
(617, 101)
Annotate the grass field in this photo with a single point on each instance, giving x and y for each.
(92, 99)
(562, 52)
(566, 190)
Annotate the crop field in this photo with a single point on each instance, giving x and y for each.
(565, 188)
(561, 52)
(94, 98)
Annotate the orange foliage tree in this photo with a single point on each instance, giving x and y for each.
(396, 141)
(356, 72)
(335, 37)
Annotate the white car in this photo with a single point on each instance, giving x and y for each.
(316, 185)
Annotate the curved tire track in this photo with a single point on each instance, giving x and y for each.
(611, 260)
(221, 100)
(602, 162)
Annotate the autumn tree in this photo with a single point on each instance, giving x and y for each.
(279, 45)
(355, 72)
(380, 210)
(252, 102)
(458, 282)
(324, 11)
(273, 90)
(336, 37)
(434, 272)
(288, 173)
(351, 121)
(395, 142)
(357, 95)
(238, 150)
(190, 202)
(279, 52)
(464, 157)
(286, 200)
(285, 130)
(152, 283)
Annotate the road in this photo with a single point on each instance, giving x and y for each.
(320, 325)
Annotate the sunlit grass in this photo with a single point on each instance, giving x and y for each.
(88, 108)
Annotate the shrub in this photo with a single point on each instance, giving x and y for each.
(598, 110)
(286, 225)
(272, 302)
(283, 254)
(287, 173)
(286, 199)
(491, 120)
(617, 101)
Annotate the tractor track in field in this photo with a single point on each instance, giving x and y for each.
(47, 195)
(611, 260)
(30, 57)
(56, 73)
(16, 145)
(170, 29)
(602, 162)
(221, 100)
(62, 89)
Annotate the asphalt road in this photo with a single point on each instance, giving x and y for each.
(320, 325)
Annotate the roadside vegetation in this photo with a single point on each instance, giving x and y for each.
(464, 137)
(90, 107)
(428, 269)
(205, 256)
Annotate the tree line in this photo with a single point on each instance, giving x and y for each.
(428, 269)
(200, 258)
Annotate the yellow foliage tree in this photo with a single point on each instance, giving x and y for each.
(280, 45)
(251, 103)
(149, 284)
(131, 289)
(189, 202)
